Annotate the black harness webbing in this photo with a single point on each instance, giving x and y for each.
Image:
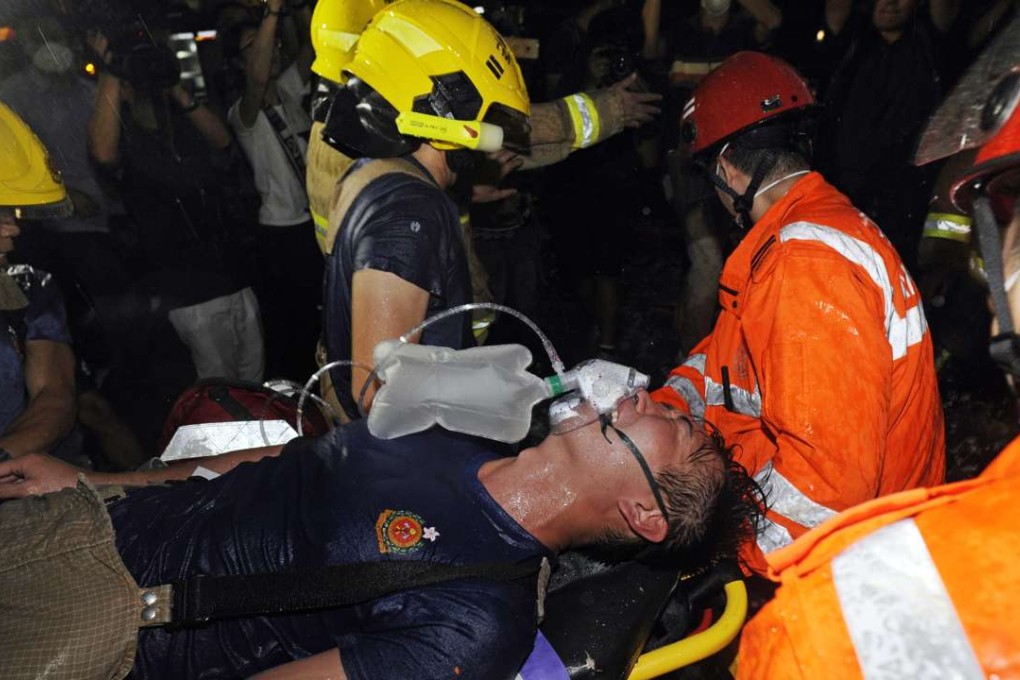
(200, 599)
(288, 141)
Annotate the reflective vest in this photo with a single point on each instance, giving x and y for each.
(820, 368)
(921, 584)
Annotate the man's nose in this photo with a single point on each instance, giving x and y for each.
(644, 403)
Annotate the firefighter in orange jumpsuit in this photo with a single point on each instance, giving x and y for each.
(820, 367)
(923, 583)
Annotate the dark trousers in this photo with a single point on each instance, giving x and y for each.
(289, 288)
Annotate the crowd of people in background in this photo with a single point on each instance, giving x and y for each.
(191, 251)
(224, 203)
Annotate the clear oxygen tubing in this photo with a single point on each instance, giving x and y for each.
(295, 388)
(554, 357)
(306, 391)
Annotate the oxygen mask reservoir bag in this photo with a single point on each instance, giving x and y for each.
(483, 391)
(488, 391)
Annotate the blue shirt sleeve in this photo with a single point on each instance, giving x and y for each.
(406, 246)
(465, 629)
(45, 318)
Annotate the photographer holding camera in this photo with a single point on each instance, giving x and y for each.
(173, 162)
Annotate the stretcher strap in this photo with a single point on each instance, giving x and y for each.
(200, 599)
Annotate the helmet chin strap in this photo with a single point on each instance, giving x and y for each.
(743, 203)
(1004, 347)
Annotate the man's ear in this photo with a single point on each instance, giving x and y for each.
(645, 521)
(731, 175)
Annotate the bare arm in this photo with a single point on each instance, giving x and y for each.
(306, 54)
(49, 416)
(208, 124)
(259, 64)
(104, 123)
(944, 13)
(383, 307)
(837, 14)
(651, 18)
(37, 473)
(322, 666)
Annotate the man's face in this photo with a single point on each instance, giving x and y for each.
(8, 232)
(665, 437)
(893, 15)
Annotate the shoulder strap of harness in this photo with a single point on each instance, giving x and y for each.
(350, 187)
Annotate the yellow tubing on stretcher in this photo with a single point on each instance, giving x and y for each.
(701, 645)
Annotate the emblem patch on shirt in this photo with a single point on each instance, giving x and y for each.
(399, 531)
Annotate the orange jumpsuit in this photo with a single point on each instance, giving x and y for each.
(921, 584)
(820, 367)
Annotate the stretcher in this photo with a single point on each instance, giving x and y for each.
(600, 620)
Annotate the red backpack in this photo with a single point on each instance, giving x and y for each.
(219, 400)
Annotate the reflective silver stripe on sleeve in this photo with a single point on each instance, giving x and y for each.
(697, 362)
(783, 498)
(687, 390)
(772, 536)
(744, 402)
(902, 332)
(901, 619)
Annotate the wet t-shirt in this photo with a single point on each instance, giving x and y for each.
(43, 319)
(345, 497)
(405, 226)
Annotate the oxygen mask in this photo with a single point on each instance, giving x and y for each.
(593, 389)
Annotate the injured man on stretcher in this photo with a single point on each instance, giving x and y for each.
(642, 480)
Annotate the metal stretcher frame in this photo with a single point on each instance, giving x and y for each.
(701, 645)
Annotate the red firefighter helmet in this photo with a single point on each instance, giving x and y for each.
(996, 168)
(746, 90)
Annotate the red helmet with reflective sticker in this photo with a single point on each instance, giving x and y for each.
(746, 90)
(992, 170)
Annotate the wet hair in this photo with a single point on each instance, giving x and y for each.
(746, 159)
(713, 506)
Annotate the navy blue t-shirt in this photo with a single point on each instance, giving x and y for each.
(405, 226)
(43, 319)
(345, 497)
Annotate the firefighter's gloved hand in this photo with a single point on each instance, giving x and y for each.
(940, 262)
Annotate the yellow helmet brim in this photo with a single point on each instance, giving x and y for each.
(30, 187)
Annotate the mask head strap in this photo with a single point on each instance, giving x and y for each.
(606, 422)
(742, 203)
(763, 139)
